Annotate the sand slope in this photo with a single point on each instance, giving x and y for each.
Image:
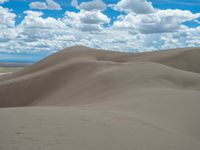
(109, 100)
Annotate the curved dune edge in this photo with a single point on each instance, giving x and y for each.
(90, 99)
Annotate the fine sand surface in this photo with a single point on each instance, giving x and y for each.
(87, 99)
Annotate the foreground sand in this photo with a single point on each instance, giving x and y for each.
(86, 99)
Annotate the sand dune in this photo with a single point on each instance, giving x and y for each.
(110, 100)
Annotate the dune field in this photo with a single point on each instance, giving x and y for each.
(87, 99)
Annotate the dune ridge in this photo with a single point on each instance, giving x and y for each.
(115, 100)
(68, 68)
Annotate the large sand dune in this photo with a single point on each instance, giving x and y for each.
(89, 99)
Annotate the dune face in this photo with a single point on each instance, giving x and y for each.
(110, 101)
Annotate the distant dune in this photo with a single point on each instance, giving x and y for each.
(110, 101)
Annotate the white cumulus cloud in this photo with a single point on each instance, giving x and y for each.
(93, 5)
(134, 30)
(7, 24)
(90, 18)
(49, 4)
(157, 22)
(90, 5)
(86, 20)
(34, 33)
(136, 6)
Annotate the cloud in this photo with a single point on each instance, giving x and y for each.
(131, 31)
(135, 6)
(33, 19)
(90, 18)
(93, 5)
(90, 28)
(35, 34)
(49, 4)
(86, 20)
(7, 24)
(35, 28)
(90, 5)
(87, 17)
(33, 14)
(3, 1)
(7, 17)
(188, 37)
(74, 3)
(158, 22)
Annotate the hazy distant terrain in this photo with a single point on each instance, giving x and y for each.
(12, 67)
(9, 69)
(86, 99)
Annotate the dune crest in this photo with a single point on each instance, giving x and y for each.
(88, 74)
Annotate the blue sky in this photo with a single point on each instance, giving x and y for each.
(33, 29)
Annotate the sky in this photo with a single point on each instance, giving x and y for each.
(33, 29)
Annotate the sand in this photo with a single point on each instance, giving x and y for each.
(86, 99)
